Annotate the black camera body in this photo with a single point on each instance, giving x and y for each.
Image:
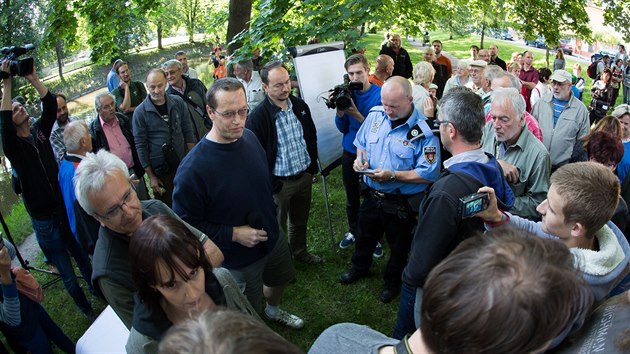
(341, 95)
(21, 67)
(473, 204)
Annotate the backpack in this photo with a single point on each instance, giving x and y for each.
(591, 71)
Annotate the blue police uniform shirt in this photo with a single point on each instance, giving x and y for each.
(390, 149)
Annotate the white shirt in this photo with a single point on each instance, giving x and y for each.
(192, 73)
(253, 90)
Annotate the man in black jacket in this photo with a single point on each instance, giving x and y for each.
(111, 131)
(32, 158)
(441, 226)
(192, 91)
(402, 60)
(285, 129)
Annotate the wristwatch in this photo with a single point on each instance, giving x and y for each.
(393, 176)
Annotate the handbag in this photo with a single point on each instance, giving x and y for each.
(27, 284)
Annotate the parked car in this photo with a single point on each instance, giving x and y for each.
(538, 43)
(506, 35)
(566, 46)
(601, 53)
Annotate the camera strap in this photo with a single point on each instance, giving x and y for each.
(197, 109)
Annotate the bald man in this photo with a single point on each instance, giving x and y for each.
(384, 69)
(396, 171)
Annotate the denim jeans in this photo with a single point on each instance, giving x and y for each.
(55, 248)
(36, 330)
(405, 323)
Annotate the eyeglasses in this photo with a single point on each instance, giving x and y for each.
(440, 122)
(232, 114)
(116, 211)
(556, 83)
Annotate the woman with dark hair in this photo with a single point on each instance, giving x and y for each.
(601, 92)
(542, 87)
(608, 124)
(175, 282)
(607, 149)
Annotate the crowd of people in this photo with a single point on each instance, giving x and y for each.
(230, 169)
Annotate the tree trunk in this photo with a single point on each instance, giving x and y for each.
(238, 20)
(193, 17)
(362, 29)
(59, 51)
(159, 34)
(547, 56)
(483, 30)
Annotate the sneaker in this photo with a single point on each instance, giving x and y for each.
(306, 257)
(378, 251)
(347, 240)
(287, 319)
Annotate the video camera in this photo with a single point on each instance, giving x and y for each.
(21, 67)
(341, 96)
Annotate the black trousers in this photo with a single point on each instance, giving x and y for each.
(351, 183)
(395, 219)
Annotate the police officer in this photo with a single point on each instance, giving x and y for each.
(399, 156)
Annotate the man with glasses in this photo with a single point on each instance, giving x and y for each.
(285, 129)
(235, 206)
(103, 190)
(163, 132)
(563, 119)
(192, 91)
(441, 225)
(476, 69)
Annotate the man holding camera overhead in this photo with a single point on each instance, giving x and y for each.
(163, 132)
(348, 120)
(399, 157)
(442, 220)
(32, 159)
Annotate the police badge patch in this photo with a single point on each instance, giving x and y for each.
(430, 153)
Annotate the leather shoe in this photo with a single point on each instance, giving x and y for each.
(351, 276)
(388, 294)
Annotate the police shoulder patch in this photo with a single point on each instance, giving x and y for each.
(430, 154)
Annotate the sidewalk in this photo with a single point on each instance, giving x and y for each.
(29, 249)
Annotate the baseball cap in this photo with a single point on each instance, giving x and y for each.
(561, 76)
(479, 63)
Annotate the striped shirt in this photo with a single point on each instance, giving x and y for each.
(292, 157)
(558, 107)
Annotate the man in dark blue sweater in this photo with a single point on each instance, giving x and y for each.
(223, 188)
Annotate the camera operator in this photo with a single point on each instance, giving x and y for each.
(348, 122)
(28, 148)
